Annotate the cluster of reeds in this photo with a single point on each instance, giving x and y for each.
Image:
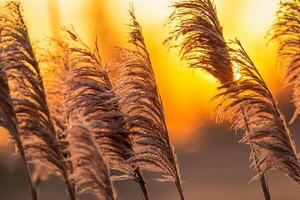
(286, 29)
(246, 102)
(80, 124)
(74, 122)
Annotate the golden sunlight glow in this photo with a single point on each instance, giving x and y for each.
(261, 14)
(236, 69)
(186, 92)
(3, 136)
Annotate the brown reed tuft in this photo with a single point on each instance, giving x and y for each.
(8, 120)
(247, 103)
(91, 173)
(195, 24)
(286, 30)
(27, 92)
(142, 105)
(51, 64)
(251, 107)
(88, 92)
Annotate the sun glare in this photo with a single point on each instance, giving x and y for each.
(185, 91)
(259, 14)
(236, 69)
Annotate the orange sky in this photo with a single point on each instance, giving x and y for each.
(185, 92)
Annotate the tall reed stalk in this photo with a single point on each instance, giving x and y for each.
(34, 121)
(91, 173)
(286, 29)
(141, 103)
(88, 92)
(8, 120)
(247, 102)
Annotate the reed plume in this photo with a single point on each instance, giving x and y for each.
(142, 105)
(195, 24)
(88, 92)
(251, 107)
(27, 92)
(8, 120)
(51, 63)
(247, 103)
(286, 29)
(90, 170)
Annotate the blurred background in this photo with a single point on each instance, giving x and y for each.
(213, 164)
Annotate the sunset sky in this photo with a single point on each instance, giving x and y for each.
(185, 92)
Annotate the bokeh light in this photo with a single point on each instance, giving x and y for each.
(186, 92)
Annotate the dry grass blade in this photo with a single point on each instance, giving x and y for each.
(7, 118)
(251, 107)
(88, 92)
(8, 121)
(253, 156)
(194, 24)
(90, 171)
(51, 65)
(287, 30)
(144, 115)
(27, 91)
